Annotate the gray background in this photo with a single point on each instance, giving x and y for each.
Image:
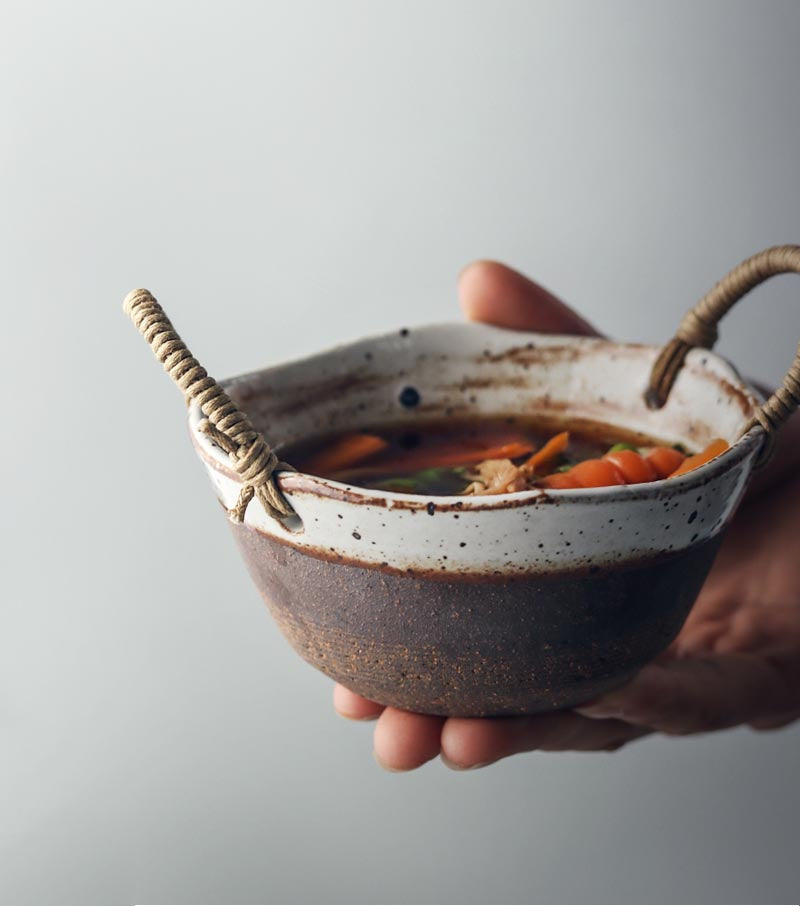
(283, 176)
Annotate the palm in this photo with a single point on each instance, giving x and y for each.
(750, 598)
(737, 659)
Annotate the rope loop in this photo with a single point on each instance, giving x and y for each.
(699, 328)
(695, 330)
(225, 424)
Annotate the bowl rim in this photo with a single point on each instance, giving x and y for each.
(293, 482)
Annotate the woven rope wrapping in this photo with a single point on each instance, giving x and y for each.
(699, 328)
(225, 423)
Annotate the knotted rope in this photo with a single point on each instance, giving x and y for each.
(225, 424)
(699, 328)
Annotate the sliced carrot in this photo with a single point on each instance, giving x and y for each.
(633, 467)
(440, 459)
(560, 481)
(665, 460)
(345, 452)
(468, 445)
(465, 457)
(596, 473)
(488, 439)
(548, 452)
(714, 449)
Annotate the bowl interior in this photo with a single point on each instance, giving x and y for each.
(465, 370)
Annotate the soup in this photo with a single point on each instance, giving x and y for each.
(491, 456)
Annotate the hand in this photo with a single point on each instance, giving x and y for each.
(736, 660)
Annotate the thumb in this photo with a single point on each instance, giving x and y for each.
(496, 294)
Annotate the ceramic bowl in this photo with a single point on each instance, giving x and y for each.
(510, 604)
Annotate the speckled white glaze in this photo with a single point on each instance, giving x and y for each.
(464, 369)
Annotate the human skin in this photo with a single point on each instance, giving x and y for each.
(736, 660)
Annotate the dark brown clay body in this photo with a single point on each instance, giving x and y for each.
(474, 646)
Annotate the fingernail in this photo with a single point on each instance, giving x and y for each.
(386, 766)
(368, 718)
(463, 767)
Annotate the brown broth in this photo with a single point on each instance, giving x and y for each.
(408, 463)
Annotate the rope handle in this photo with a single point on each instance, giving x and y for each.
(699, 328)
(225, 424)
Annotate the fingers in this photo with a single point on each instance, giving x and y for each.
(679, 696)
(495, 294)
(776, 721)
(404, 741)
(783, 463)
(758, 628)
(353, 706)
(695, 695)
(475, 742)
(699, 638)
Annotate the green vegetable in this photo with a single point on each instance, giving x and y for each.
(436, 473)
(436, 480)
(397, 484)
(617, 448)
(565, 468)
